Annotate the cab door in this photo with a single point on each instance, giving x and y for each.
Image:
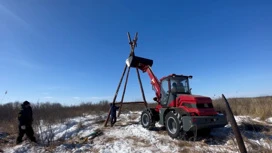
(165, 94)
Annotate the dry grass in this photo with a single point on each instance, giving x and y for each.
(258, 131)
(48, 112)
(109, 139)
(255, 107)
(183, 143)
(133, 116)
(138, 141)
(162, 132)
(95, 150)
(255, 148)
(255, 127)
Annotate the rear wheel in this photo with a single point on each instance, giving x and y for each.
(173, 124)
(146, 120)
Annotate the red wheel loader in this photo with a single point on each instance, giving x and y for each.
(178, 109)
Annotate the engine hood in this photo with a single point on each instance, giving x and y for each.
(194, 98)
(203, 105)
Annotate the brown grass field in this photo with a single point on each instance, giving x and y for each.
(57, 113)
(255, 107)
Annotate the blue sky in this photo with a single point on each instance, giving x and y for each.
(74, 51)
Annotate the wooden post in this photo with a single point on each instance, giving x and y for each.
(141, 86)
(124, 91)
(116, 93)
(235, 128)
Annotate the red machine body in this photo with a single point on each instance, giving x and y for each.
(194, 105)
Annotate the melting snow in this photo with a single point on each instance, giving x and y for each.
(129, 136)
(269, 120)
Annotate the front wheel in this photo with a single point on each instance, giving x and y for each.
(173, 125)
(146, 120)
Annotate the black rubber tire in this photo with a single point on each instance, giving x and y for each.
(146, 120)
(172, 125)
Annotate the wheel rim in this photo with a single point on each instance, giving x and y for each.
(172, 125)
(145, 119)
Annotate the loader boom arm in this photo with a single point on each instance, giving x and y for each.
(154, 80)
(145, 64)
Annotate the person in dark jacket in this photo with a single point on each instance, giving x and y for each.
(25, 119)
(113, 113)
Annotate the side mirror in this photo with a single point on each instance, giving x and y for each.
(155, 99)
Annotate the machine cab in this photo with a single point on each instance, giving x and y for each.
(173, 85)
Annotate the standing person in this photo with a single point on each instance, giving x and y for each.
(113, 113)
(25, 119)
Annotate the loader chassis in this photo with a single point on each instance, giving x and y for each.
(180, 111)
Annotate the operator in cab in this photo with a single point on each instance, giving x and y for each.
(177, 87)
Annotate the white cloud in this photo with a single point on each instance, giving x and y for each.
(76, 97)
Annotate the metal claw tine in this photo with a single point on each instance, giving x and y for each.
(129, 39)
(135, 40)
(136, 36)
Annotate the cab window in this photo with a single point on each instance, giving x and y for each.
(164, 94)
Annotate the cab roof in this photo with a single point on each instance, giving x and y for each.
(175, 75)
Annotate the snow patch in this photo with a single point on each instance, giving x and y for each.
(269, 120)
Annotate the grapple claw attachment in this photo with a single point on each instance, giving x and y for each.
(136, 62)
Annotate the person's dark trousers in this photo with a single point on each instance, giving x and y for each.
(29, 133)
(113, 120)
